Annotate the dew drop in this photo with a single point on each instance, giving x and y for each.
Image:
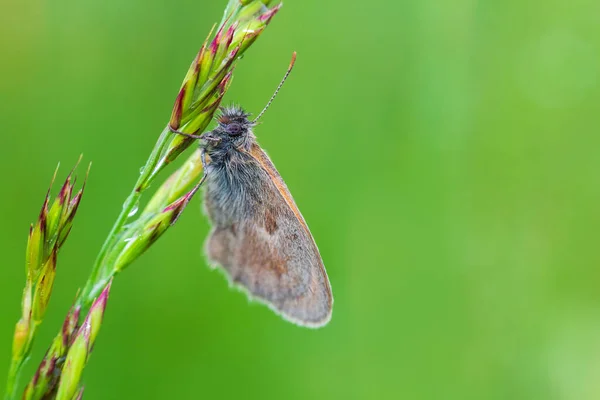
(130, 239)
(134, 210)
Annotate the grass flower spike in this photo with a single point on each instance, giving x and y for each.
(154, 222)
(46, 237)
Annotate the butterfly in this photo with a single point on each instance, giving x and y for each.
(258, 235)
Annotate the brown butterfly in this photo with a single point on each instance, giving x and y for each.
(259, 236)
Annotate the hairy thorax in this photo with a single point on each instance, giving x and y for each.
(233, 189)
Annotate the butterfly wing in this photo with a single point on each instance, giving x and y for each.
(271, 253)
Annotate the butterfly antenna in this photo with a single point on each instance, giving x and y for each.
(278, 87)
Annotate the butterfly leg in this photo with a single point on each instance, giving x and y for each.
(184, 134)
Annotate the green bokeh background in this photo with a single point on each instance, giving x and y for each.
(444, 154)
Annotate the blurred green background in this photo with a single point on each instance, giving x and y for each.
(444, 154)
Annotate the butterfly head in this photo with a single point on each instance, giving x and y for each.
(233, 122)
(234, 131)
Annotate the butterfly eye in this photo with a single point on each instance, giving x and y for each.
(234, 129)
